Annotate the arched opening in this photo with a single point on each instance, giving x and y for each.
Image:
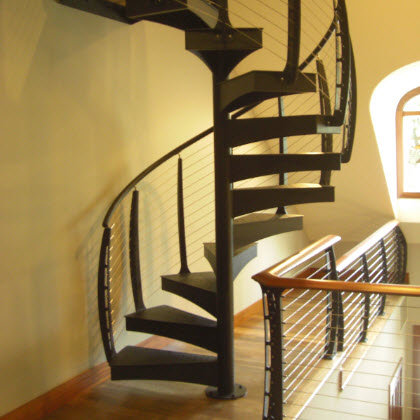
(383, 107)
(408, 145)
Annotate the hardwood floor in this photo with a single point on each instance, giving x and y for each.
(173, 400)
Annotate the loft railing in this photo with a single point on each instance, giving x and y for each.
(319, 311)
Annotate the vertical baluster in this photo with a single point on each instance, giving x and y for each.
(274, 357)
(135, 253)
(181, 221)
(366, 315)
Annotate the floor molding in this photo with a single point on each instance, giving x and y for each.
(45, 404)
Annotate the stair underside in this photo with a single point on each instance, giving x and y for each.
(142, 363)
(257, 86)
(170, 322)
(199, 288)
(112, 9)
(254, 227)
(196, 14)
(251, 166)
(192, 14)
(249, 130)
(241, 256)
(248, 200)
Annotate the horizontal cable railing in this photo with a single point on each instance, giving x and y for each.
(326, 317)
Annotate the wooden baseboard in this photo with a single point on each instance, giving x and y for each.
(62, 394)
(255, 309)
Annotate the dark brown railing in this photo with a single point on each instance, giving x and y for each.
(318, 310)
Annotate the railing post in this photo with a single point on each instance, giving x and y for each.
(335, 310)
(293, 42)
(274, 359)
(104, 308)
(135, 253)
(181, 221)
(384, 279)
(402, 255)
(366, 314)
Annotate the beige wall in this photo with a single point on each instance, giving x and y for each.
(85, 103)
(385, 37)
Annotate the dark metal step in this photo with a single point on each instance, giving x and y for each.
(254, 227)
(198, 288)
(241, 256)
(212, 48)
(248, 200)
(251, 166)
(249, 130)
(184, 15)
(257, 86)
(174, 323)
(142, 363)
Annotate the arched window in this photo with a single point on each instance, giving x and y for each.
(408, 145)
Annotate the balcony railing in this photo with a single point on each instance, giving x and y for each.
(322, 315)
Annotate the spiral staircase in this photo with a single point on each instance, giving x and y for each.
(245, 211)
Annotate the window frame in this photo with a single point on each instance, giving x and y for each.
(400, 113)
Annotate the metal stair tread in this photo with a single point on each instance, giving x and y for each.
(171, 315)
(252, 199)
(248, 130)
(174, 323)
(259, 85)
(199, 288)
(143, 363)
(208, 40)
(202, 280)
(254, 165)
(301, 185)
(140, 356)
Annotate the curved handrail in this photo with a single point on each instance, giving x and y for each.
(300, 257)
(272, 277)
(355, 253)
(269, 280)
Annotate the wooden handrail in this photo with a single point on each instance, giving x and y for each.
(269, 280)
(364, 246)
(300, 257)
